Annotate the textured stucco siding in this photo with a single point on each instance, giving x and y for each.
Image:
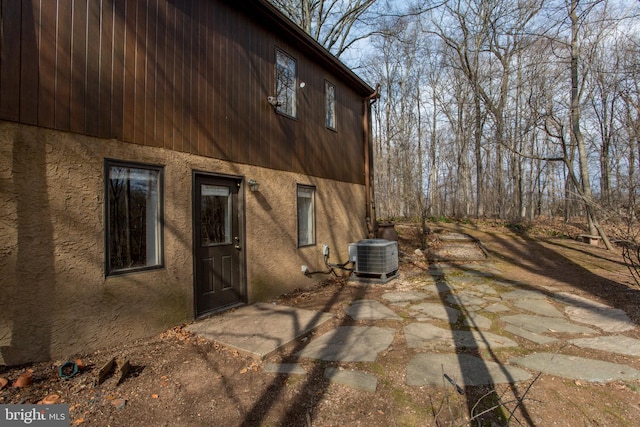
(54, 298)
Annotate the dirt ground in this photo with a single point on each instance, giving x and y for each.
(179, 380)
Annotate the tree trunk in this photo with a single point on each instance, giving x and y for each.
(478, 153)
(433, 171)
(585, 183)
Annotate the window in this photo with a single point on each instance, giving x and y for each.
(330, 105)
(306, 216)
(286, 78)
(133, 217)
(215, 215)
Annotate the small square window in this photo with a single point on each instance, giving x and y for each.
(286, 84)
(133, 215)
(330, 105)
(306, 216)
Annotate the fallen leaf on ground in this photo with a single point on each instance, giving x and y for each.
(119, 403)
(50, 399)
(24, 380)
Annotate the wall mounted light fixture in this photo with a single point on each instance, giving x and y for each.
(253, 185)
(274, 101)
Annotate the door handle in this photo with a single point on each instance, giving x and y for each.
(237, 240)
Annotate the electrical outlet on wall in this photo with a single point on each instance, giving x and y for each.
(325, 250)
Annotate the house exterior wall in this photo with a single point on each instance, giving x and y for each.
(181, 85)
(190, 76)
(56, 300)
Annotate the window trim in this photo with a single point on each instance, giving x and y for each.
(294, 104)
(313, 214)
(328, 84)
(108, 270)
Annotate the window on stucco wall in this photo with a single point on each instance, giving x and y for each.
(133, 215)
(306, 215)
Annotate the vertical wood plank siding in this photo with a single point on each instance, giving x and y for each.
(10, 37)
(190, 75)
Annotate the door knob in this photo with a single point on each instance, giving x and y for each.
(237, 240)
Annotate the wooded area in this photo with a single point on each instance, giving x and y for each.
(496, 108)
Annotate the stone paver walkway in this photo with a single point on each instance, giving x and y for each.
(482, 311)
(448, 316)
(463, 369)
(350, 344)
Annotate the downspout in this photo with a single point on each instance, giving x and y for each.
(370, 208)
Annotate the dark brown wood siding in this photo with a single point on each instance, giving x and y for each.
(191, 76)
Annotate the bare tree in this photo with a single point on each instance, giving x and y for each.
(513, 104)
(629, 91)
(581, 181)
(332, 23)
(486, 37)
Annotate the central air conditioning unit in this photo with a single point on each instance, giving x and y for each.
(375, 259)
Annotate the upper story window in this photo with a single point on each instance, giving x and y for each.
(133, 217)
(286, 84)
(330, 105)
